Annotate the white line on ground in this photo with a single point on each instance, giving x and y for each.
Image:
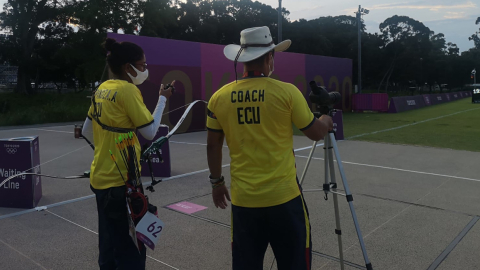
(408, 125)
(57, 157)
(305, 148)
(20, 129)
(402, 170)
(53, 130)
(76, 224)
(204, 144)
(396, 215)
(23, 255)
(392, 218)
(92, 196)
(85, 228)
(78, 149)
(187, 174)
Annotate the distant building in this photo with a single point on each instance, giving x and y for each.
(8, 75)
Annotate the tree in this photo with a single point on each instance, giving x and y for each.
(476, 37)
(158, 18)
(93, 20)
(220, 21)
(406, 41)
(24, 19)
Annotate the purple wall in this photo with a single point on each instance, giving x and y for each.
(201, 69)
(370, 102)
(400, 104)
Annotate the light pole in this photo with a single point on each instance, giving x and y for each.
(361, 11)
(474, 75)
(279, 21)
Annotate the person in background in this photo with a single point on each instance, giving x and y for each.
(255, 115)
(117, 108)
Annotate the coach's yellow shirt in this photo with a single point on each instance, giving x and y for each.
(256, 115)
(120, 104)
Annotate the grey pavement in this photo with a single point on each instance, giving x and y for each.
(411, 202)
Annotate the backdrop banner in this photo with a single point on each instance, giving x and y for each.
(401, 104)
(201, 69)
(426, 99)
(18, 155)
(438, 98)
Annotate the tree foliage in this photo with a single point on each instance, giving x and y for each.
(59, 40)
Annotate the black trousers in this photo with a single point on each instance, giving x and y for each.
(286, 227)
(117, 250)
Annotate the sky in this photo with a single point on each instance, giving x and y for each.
(454, 18)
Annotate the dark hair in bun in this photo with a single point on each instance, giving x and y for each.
(121, 53)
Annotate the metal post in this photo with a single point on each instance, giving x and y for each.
(359, 23)
(279, 21)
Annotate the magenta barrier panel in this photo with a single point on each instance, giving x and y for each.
(426, 99)
(370, 102)
(201, 69)
(438, 98)
(401, 104)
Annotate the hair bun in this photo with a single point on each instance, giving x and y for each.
(111, 45)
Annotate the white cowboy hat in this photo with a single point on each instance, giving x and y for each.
(254, 42)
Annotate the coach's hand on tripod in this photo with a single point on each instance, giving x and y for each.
(220, 196)
(327, 121)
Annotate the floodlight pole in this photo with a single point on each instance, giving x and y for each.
(359, 22)
(474, 72)
(279, 21)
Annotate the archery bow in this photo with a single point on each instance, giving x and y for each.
(155, 147)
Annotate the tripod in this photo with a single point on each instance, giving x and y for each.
(330, 146)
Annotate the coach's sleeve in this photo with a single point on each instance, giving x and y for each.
(302, 116)
(135, 108)
(212, 121)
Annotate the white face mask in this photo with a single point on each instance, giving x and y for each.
(273, 67)
(141, 76)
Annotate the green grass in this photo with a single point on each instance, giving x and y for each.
(20, 109)
(460, 131)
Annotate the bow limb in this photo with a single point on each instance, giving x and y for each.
(174, 129)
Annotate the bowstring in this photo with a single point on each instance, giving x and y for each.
(186, 105)
(88, 144)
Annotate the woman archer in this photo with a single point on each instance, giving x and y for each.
(118, 108)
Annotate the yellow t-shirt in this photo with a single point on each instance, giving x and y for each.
(256, 115)
(120, 105)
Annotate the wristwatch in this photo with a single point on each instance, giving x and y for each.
(216, 180)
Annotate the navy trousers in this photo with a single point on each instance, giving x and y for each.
(286, 227)
(117, 250)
